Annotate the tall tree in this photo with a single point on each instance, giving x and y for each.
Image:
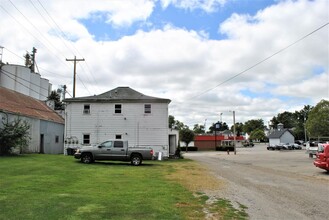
(57, 99)
(199, 129)
(301, 117)
(238, 128)
(186, 136)
(252, 125)
(222, 127)
(175, 124)
(288, 120)
(258, 134)
(317, 124)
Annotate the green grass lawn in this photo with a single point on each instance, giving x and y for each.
(60, 187)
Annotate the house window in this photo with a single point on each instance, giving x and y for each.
(118, 136)
(117, 108)
(118, 144)
(86, 139)
(147, 108)
(56, 139)
(86, 109)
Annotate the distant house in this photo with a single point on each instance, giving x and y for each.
(121, 113)
(47, 127)
(280, 135)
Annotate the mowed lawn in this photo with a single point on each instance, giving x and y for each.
(60, 187)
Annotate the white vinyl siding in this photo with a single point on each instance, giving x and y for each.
(102, 124)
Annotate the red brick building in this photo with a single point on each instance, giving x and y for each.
(208, 142)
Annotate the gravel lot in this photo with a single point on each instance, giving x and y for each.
(272, 184)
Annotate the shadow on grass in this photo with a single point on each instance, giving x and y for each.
(106, 163)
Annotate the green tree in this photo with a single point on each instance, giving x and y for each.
(238, 128)
(288, 119)
(301, 117)
(57, 99)
(175, 124)
(186, 136)
(14, 135)
(222, 127)
(199, 129)
(253, 125)
(258, 134)
(171, 120)
(317, 124)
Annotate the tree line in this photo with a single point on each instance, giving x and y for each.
(311, 122)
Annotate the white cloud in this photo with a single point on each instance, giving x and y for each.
(206, 5)
(182, 64)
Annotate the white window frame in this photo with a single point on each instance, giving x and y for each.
(84, 139)
(147, 108)
(86, 111)
(116, 108)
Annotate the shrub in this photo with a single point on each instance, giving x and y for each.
(14, 136)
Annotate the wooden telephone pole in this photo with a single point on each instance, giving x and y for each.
(74, 71)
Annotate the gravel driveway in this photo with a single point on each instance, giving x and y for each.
(272, 184)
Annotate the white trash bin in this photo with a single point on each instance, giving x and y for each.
(160, 156)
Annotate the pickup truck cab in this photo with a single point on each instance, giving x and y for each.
(322, 159)
(117, 150)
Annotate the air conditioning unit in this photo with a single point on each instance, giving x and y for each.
(86, 111)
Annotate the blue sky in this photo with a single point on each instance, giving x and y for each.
(189, 19)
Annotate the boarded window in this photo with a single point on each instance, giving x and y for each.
(117, 108)
(86, 109)
(86, 139)
(147, 108)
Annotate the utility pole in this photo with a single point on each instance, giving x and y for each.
(234, 133)
(74, 71)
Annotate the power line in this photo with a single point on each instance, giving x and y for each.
(262, 61)
(72, 45)
(33, 35)
(3, 71)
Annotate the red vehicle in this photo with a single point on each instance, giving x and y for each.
(322, 159)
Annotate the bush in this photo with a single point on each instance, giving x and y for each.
(224, 148)
(189, 148)
(14, 137)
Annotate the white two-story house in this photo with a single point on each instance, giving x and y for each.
(121, 113)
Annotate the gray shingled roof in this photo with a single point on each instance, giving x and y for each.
(277, 133)
(119, 94)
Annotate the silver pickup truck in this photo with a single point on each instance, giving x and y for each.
(114, 150)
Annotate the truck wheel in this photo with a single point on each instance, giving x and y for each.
(86, 158)
(136, 160)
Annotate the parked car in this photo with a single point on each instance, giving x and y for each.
(296, 147)
(248, 144)
(299, 142)
(269, 147)
(114, 150)
(283, 146)
(312, 149)
(322, 159)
